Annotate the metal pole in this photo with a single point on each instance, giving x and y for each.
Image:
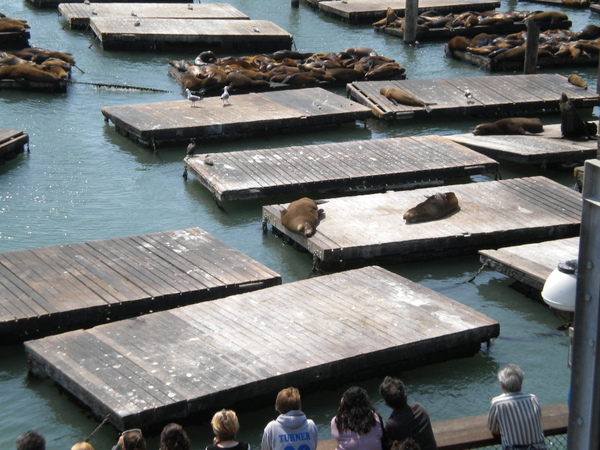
(584, 414)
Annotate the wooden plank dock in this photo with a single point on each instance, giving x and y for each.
(561, 3)
(164, 366)
(360, 11)
(14, 39)
(369, 229)
(78, 14)
(133, 33)
(540, 149)
(53, 289)
(531, 264)
(357, 166)
(496, 95)
(55, 3)
(12, 142)
(174, 123)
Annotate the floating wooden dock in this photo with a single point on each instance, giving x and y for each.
(496, 95)
(14, 39)
(561, 3)
(54, 289)
(78, 14)
(369, 229)
(164, 366)
(343, 167)
(357, 11)
(174, 123)
(54, 3)
(540, 149)
(12, 142)
(531, 264)
(133, 33)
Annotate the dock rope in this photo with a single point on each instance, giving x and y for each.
(98, 428)
(119, 86)
(470, 280)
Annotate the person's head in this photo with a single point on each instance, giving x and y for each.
(355, 412)
(174, 437)
(511, 378)
(30, 440)
(82, 446)
(133, 440)
(225, 425)
(405, 444)
(288, 399)
(393, 393)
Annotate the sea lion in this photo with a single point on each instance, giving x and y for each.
(589, 32)
(576, 80)
(510, 125)
(435, 207)
(572, 126)
(548, 17)
(28, 73)
(301, 216)
(403, 98)
(390, 17)
(459, 43)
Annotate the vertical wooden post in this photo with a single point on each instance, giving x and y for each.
(295, 3)
(531, 48)
(598, 85)
(411, 14)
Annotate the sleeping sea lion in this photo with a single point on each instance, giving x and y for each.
(301, 216)
(576, 80)
(404, 98)
(572, 126)
(510, 125)
(435, 207)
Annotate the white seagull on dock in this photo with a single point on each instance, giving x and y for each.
(191, 97)
(225, 96)
(468, 93)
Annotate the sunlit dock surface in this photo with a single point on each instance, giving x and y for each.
(12, 143)
(53, 289)
(54, 3)
(509, 95)
(292, 111)
(203, 357)
(356, 11)
(367, 229)
(78, 14)
(531, 264)
(540, 149)
(362, 166)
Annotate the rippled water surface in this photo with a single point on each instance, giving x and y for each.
(83, 181)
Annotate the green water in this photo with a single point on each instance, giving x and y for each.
(83, 181)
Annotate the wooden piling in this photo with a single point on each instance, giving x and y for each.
(410, 21)
(531, 49)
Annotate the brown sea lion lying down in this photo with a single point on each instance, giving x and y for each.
(510, 125)
(301, 216)
(403, 98)
(435, 207)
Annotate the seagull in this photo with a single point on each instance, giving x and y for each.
(137, 22)
(225, 96)
(191, 147)
(468, 93)
(255, 29)
(192, 98)
(133, 14)
(190, 6)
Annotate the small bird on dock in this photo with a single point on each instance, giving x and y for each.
(468, 93)
(133, 14)
(137, 22)
(225, 96)
(192, 98)
(191, 148)
(208, 160)
(190, 6)
(255, 29)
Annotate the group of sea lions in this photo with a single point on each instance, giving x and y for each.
(575, 46)
(431, 20)
(8, 24)
(254, 73)
(36, 64)
(302, 216)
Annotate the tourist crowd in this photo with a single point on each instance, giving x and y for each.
(515, 416)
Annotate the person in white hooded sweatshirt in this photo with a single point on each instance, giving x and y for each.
(291, 430)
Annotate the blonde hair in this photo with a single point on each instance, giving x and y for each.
(82, 446)
(225, 425)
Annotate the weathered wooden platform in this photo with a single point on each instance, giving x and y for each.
(135, 33)
(365, 229)
(531, 264)
(53, 289)
(540, 149)
(198, 358)
(360, 166)
(561, 3)
(12, 142)
(174, 123)
(78, 14)
(356, 11)
(54, 3)
(496, 95)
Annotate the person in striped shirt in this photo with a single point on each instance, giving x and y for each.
(514, 415)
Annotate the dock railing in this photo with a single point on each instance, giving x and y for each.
(472, 432)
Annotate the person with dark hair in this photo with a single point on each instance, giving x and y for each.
(291, 429)
(174, 437)
(516, 416)
(30, 440)
(357, 426)
(131, 440)
(406, 420)
(225, 425)
(406, 444)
